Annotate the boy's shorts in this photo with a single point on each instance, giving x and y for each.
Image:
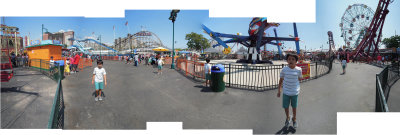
(208, 76)
(99, 85)
(344, 66)
(159, 67)
(289, 99)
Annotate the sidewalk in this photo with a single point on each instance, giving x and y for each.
(135, 96)
(26, 100)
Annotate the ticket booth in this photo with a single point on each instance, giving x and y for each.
(39, 55)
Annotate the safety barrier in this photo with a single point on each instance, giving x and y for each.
(384, 80)
(256, 77)
(167, 60)
(84, 62)
(56, 119)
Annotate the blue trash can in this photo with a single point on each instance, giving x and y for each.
(217, 78)
(61, 64)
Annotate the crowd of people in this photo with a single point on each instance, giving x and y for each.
(19, 60)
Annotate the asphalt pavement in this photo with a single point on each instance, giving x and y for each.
(136, 95)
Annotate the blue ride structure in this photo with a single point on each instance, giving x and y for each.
(256, 39)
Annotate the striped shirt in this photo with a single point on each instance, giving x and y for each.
(291, 83)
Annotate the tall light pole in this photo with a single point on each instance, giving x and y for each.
(173, 18)
(42, 30)
(99, 38)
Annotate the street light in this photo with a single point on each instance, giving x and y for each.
(173, 18)
(45, 29)
(99, 38)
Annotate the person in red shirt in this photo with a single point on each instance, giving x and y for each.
(76, 62)
(379, 59)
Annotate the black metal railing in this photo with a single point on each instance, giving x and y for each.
(258, 77)
(53, 71)
(384, 80)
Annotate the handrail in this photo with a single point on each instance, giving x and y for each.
(382, 99)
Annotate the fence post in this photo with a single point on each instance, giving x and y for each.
(229, 75)
(377, 104)
(316, 69)
(194, 69)
(40, 65)
(186, 63)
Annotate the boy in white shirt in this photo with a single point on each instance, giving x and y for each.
(207, 69)
(99, 79)
(160, 63)
(290, 79)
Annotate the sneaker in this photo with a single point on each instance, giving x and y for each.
(100, 98)
(295, 124)
(287, 123)
(96, 99)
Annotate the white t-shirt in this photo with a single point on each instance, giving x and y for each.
(160, 62)
(136, 57)
(207, 67)
(344, 62)
(99, 74)
(291, 83)
(51, 62)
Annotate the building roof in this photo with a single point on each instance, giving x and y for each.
(43, 45)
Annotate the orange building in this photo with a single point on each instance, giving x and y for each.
(39, 55)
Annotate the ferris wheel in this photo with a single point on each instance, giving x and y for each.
(354, 23)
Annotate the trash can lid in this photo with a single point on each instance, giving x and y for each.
(219, 68)
(60, 62)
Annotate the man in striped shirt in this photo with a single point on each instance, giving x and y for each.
(290, 77)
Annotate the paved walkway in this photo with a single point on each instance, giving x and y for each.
(26, 100)
(135, 96)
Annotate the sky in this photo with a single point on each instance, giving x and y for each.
(313, 35)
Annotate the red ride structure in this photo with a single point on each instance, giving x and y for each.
(370, 42)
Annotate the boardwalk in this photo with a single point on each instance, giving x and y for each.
(135, 96)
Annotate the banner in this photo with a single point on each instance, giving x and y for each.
(305, 70)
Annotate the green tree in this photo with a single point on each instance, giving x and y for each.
(197, 41)
(391, 42)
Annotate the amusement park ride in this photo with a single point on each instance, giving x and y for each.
(254, 41)
(361, 32)
(373, 34)
(80, 47)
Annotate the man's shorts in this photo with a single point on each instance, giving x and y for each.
(289, 100)
(159, 67)
(208, 76)
(99, 85)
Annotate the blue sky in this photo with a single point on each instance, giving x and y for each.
(314, 35)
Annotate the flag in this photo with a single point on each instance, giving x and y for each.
(114, 27)
(126, 23)
(92, 33)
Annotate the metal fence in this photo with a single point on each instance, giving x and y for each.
(54, 72)
(256, 77)
(384, 80)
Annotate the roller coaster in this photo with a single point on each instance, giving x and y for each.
(254, 41)
(369, 45)
(81, 47)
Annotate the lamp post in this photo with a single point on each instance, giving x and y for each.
(99, 38)
(173, 18)
(42, 30)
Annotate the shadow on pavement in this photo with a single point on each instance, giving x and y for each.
(95, 95)
(204, 88)
(286, 130)
(17, 90)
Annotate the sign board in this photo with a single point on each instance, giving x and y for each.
(35, 42)
(143, 34)
(56, 42)
(305, 70)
